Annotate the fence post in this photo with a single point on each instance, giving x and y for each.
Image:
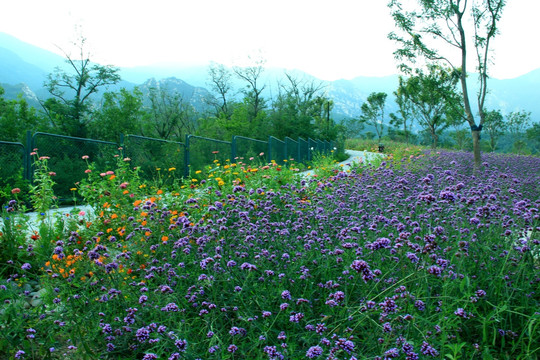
(27, 162)
(233, 149)
(122, 145)
(186, 157)
(268, 155)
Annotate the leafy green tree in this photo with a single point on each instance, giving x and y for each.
(16, 118)
(120, 113)
(460, 137)
(373, 112)
(533, 137)
(437, 30)
(71, 93)
(352, 127)
(406, 113)
(251, 75)
(434, 97)
(495, 127)
(170, 116)
(221, 86)
(300, 110)
(325, 126)
(517, 122)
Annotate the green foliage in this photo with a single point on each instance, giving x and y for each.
(406, 114)
(494, 126)
(434, 97)
(120, 113)
(533, 138)
(70, 104)
(373, 112)
(41, 192)
(16, 118)
(169, 116)
(437, 31)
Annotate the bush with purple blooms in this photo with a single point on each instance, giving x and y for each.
(428, 259)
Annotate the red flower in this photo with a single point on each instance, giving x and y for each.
(15, 191)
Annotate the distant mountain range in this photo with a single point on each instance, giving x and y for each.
(24, 69)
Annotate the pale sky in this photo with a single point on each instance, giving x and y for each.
(329, 39)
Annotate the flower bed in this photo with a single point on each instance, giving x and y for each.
(425, 260)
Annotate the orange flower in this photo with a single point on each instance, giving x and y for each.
(159, 192)
(164, 238)
(137, 202)
(114, 216)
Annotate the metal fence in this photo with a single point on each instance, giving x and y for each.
(13, 168)
(245, 148)
(66, 152)
(154, 155)
(203, 152)
(151, 155)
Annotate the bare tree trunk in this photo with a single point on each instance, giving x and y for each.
(476, 148)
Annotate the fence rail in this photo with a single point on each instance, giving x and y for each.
(150, 154)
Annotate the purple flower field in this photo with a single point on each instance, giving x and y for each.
(417, 260)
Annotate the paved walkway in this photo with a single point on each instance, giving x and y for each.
(355, 157)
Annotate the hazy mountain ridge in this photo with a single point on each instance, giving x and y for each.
(196, 96)
(22, 63)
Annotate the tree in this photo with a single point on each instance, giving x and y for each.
(253, 91)
(533, 136)
(352, 127)
(517, 122)
(170, 117)
(373, 112)
(495, 126)
(120, 113)
(300, 110)
(438, 32)
(220, 84)
(71, 93)
(434, 98)
(406, 113)
(17, 117)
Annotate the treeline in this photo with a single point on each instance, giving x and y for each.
(300, 108)
(431, 100)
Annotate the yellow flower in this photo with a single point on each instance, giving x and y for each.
(172, 169)
(198, 172)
